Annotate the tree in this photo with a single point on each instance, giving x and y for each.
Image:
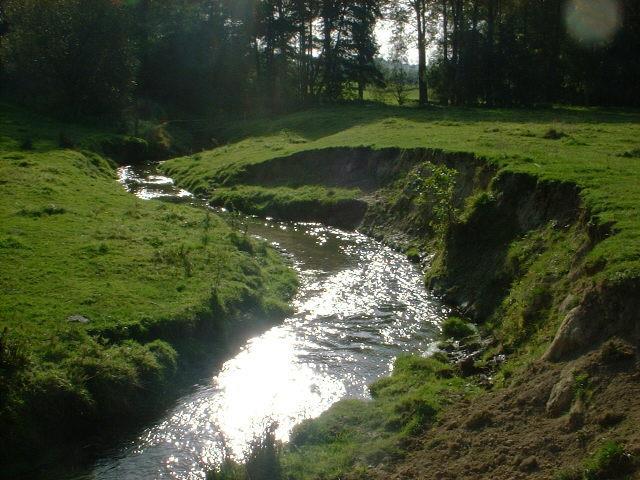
(363, 15)
(4, 29)
(419, 14)
(398, 78)
(73, 55)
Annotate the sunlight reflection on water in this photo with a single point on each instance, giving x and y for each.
(359, 306)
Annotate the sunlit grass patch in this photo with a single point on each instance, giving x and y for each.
(356, 433)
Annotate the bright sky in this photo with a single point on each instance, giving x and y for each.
(383, 34)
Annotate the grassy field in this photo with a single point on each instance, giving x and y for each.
(597, 149)
(141, 276)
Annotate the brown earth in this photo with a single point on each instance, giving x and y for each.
(524, 431)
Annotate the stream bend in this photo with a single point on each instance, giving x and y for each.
(359, 306)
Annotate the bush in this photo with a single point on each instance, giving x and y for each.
(456, 328)
(26, 144)
(65, 141)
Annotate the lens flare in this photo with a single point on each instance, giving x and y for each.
(593, 22)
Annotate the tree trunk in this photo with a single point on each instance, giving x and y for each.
(491, 24)
(473, 70)
(459, 62)
(445, 32)
(420, 6)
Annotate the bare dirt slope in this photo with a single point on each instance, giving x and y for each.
(539, 427)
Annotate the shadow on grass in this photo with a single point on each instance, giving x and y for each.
(318, 122)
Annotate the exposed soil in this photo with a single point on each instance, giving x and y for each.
(514, 433)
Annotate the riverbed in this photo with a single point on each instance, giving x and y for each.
(360, 305)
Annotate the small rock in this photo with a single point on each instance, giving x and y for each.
(574, 333)
(467, 366)
(609, 419)
(497, 360)
(529, 464)
(78, 319)
(575, 421)
(567, 304)
(561, 395)
(479, 420)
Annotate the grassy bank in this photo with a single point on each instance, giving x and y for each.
(533, 217)
(597, 150)
(102, 292)
(332, 206)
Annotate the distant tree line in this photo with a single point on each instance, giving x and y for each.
(526, 52)
(92, 56)
(88, 57)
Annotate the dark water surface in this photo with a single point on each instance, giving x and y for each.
(359, 306)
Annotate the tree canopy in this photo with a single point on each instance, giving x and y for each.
(213, 56)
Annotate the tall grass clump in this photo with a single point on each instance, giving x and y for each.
(262, 460)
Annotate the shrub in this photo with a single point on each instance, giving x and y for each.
(582, 386)
(64, 141)
(456, 328)
(263, 459)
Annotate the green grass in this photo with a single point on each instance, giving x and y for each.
(306, 203)
(73, 242)
(609, 461)
(354, 434)
(290, 198)
(596, 153)
(456, 328)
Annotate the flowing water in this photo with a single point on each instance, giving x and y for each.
(359, 306)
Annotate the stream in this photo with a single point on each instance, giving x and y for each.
(359, 306)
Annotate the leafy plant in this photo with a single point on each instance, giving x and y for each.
(433, 187)
(262, 460)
